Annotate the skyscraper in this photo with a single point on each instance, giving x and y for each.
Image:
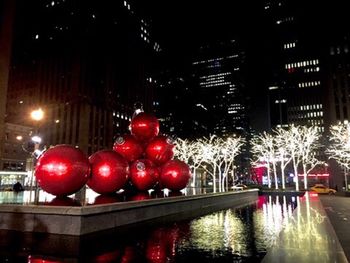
(294, 54)
(6, 29)
(85, 64)
(219, 74)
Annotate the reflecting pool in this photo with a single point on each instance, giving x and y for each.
(232, 235)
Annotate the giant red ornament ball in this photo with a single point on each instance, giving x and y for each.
(129, 147)
(143, 174)
(109, 172)
(144, 126)
(175, 175)
(62, 170)
(160, 149)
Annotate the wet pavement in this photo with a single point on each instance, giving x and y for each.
(310, 236)
(338, 212)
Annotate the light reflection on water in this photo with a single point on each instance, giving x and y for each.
(231, 235)
(243, 233)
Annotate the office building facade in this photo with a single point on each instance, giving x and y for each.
(296, 90)
(85, 64)
(219, 75)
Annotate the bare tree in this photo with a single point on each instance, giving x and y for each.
(339, 148)
(230, 148)
(190, 153)
(308, 146)
(263, 148)
(210, 152)
(292, 146)
(283, 155)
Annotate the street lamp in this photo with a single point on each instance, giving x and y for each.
(36, 115)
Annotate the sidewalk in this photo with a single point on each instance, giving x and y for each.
(338, 212)
(309, 237)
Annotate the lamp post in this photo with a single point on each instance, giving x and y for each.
(36, 115)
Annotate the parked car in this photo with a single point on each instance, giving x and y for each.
(322, 189)
(239, 187)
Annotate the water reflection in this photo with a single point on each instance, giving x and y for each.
(305, 229)
(231, 235)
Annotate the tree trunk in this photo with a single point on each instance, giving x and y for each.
(305, 177)
(275, 174)
(296, 176)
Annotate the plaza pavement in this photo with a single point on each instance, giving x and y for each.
(338, 211)
(318, 232)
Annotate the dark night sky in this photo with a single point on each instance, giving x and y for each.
(181, 25)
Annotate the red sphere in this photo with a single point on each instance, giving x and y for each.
(160, 150)
(143, 174)
(144, 126)
(62, 170)
(109, 172)
(129, 147)
(175, 175)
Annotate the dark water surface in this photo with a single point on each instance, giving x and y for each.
(232, 235)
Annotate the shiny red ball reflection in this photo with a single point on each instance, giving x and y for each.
(63, 201)
(129, 147)
(107, 199)
(144, 126)
(62, 170)
(175, 175)
(143, 174)
(160, 149)
(138, 196)
(109, 172)
(38, 259)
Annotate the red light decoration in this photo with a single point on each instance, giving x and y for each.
(143, 174)
(175, 175)
(144, 126)
(109, 172)
(129, 147)
(62, 170)
(160, 150)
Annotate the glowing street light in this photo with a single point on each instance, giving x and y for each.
(36, 139)
(37, 115)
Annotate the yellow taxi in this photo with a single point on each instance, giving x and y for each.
(322, 189)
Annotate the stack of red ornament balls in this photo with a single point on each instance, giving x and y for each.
(143, 158)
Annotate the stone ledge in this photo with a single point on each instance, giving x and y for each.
(94, 218)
